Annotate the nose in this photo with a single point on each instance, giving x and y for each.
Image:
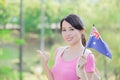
(67, 33)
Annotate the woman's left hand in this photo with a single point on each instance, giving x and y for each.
(81, 62)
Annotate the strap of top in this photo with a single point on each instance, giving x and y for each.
(59, 52)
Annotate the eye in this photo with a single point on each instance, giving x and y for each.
(63, 30)
(71, 29)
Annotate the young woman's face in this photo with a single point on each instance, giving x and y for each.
(70, 34)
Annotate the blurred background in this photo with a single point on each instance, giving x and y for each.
(29, 25)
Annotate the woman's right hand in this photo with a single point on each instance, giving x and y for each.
(44, 57)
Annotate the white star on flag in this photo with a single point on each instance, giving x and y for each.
(94, 43)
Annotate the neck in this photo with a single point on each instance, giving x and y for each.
(77, 47)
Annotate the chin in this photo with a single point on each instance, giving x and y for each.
(70, 43)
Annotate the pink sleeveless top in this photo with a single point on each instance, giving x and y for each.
(66, 70)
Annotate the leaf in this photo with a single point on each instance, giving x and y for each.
(20, 41)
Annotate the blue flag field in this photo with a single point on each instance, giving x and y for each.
(96, 42)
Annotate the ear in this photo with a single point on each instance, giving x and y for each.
(82, 31)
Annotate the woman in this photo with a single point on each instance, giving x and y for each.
(72, 30)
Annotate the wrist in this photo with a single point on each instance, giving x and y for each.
(82, 75)
(81, 69)
(44, 64)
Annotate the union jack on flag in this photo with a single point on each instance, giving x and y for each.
(95, 33)
(96, 42)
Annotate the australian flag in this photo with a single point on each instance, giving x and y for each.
(96, 42)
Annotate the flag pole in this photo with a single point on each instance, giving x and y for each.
(87, 42)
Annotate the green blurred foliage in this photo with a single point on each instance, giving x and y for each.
(103, 13)
(5, 73)
(20, 41)
(5, 36)
(4, 13)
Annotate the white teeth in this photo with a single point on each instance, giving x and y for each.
(69, 39)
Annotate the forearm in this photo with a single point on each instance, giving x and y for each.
(48, 71)
(83, 75)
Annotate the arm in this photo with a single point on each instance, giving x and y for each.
(44, 57)
(81, 73)
(90, 67)
(90, 75)
(47, 71)
(87, 67)
(86, 76)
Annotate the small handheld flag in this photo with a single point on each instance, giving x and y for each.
(96, 42)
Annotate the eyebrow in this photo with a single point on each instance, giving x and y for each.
(68, 27)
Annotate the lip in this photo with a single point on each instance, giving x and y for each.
(69, 39)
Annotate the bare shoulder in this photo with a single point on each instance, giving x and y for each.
(87, 52)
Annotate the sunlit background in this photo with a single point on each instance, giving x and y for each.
(29, 25)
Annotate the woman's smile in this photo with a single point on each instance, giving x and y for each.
(69, 39)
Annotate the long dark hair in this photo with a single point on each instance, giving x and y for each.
(77, 23)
